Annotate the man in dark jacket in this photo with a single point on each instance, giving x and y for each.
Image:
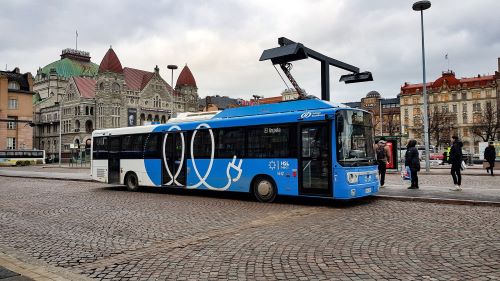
(455, 160)
(412, 161)
(489, 156)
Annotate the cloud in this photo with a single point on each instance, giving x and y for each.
(221, 41)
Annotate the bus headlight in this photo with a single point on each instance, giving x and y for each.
(352, 178)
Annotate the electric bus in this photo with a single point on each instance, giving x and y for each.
(307, 147)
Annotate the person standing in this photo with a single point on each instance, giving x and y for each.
(456, 163)
(489, 156)
(412, 160)
(382, 153)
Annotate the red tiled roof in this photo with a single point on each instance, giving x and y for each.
(271, 100)
(451, 81)
(110, 62)
(186, 78)
(85, 86)
(137, 79)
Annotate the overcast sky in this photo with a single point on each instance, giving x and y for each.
(221, 41)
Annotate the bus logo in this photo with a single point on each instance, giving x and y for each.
(305, 115)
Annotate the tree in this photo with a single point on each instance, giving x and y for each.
(441, 125)
(486, 124)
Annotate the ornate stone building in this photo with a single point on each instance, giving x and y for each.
(456, 105)
(115, 97)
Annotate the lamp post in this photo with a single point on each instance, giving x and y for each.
(172, 67)
(421, 6)
(60, 126)
(380, 113)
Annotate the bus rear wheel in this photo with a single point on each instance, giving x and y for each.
(132, 182)
(264, 189)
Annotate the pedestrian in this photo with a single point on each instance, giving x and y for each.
(412, 161)
(489, 156)
(382, 153)
(456, 163)
(445, 156)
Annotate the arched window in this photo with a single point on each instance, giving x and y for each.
(163, 119)
(143, 118)
(101, 86)
(116, 87)
(88, 126)
(86, 110)
(150, 117)
(91, 111)
(157, 118)
(77, 125)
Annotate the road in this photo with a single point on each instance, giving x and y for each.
(106, 233)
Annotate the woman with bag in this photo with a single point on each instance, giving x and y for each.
(456, 163)
(413, 162)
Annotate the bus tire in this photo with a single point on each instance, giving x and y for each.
(264, 189)
(131, 181)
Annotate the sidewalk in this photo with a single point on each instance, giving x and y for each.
(479, 188)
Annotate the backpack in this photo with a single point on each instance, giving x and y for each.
(380, 153)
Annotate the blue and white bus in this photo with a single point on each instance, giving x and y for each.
(296, 148)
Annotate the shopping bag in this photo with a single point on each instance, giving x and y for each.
(406, 173)
(486, 164)
(462, 165)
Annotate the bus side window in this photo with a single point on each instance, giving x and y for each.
(152, 146)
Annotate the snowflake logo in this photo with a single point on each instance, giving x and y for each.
(272, 165)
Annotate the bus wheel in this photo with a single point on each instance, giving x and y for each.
(264, 189)
(132, 182)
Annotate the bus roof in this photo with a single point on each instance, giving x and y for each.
(290, 108)
(282, 107)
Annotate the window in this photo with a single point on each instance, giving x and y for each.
(13, 104)
(231, 142)
(406, 112)
(272, 141)
(152, 146)
(11, 125)
(444, 108)
(101, 86)
(476, 107)
(464, 95)
(100, 148)
(11, 143)
(454, 108)
(476, 95)
(116, 87)
(464, 108)
(202, 144)
(13, 85)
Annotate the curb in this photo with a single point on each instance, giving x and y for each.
(439, 200)
(47, 178)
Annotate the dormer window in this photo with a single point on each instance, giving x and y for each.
(13, 85)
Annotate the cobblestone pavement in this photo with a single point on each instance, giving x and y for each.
(106, 233)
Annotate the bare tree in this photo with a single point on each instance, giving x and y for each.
(441, 125)
(486, 124)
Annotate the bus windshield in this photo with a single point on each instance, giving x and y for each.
(354, 135)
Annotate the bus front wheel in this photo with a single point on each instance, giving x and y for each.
(132, 182)
(264, 189)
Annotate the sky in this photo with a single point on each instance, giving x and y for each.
(222, 41)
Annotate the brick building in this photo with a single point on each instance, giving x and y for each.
(391, 113)
(16, 110)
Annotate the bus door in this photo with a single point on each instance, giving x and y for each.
(314, 159)
(114, 160)
(174, 159)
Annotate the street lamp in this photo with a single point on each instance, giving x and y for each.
(172, 67)
(421, 6)
(60, 126)
(380, 113)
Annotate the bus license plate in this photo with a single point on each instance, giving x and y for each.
(368, 190)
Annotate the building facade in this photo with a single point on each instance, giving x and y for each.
(457, 106)
(16, 110)
(388, 108)
(114, 97)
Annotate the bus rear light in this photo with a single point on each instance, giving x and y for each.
(294, 173)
